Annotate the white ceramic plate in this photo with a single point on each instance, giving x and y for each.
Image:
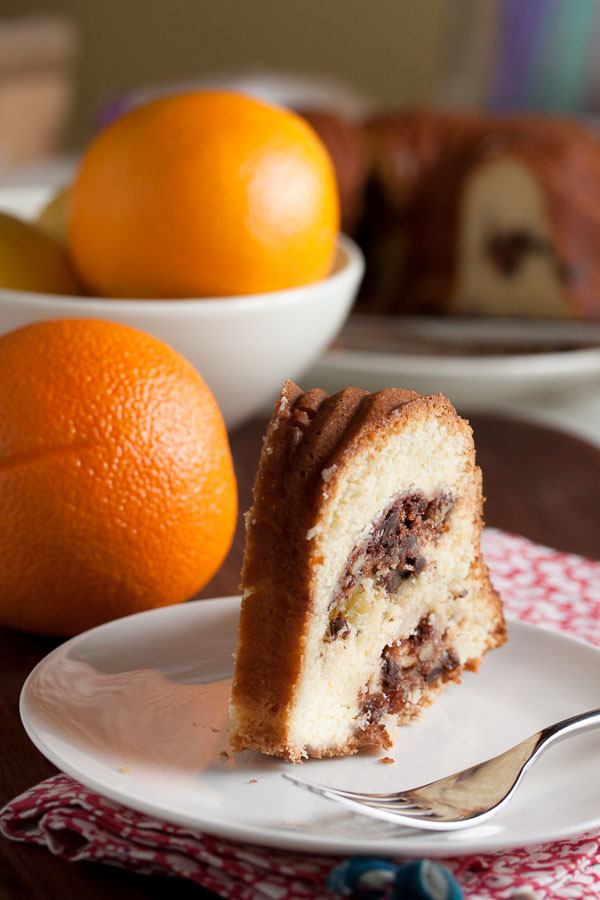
(137, 710)
(476, 362)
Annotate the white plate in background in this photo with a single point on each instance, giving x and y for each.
(477, 363)
(137, 710)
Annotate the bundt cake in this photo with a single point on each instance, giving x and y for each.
(364, 589)
(505, 221)
(478, 215)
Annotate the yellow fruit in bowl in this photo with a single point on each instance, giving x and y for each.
(117, 484)
(52, 218)
(202, 194)
(30, 260)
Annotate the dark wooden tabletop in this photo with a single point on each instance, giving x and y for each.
(539, 483)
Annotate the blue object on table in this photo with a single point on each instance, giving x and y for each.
(372, 879)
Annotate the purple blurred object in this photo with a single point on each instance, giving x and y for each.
(521, 23)
(112, 110)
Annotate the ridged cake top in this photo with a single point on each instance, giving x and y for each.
(309, 429)
(310, 437)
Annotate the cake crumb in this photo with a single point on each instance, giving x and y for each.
(224, 754)
(214, 730)
(386, 760)
(253, 781)
(125, 770)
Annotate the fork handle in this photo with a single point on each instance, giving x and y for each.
(586, 721)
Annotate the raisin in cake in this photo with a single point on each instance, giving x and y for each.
(364, 590)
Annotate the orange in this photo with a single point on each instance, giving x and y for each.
(117, 485)
(31, 260)
(203, 194)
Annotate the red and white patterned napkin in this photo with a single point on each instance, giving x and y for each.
(538, 585)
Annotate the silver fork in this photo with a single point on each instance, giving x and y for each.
(466, 798)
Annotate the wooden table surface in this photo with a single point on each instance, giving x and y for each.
(539, 483)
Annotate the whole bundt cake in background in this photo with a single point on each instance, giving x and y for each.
(364, 589)
(477, 215)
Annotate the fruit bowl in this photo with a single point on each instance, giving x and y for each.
(244, 347)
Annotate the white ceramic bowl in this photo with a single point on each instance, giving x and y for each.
(244, 347)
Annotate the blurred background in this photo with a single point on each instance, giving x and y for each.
(69, 66)
(75, 57)
(63, 63)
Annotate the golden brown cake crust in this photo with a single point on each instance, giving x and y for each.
(309, 432)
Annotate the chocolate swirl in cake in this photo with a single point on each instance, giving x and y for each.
(407, 665)
(392, 553)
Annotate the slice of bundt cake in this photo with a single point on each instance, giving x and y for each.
(364, 590)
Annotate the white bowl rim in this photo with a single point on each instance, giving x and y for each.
(351, 267)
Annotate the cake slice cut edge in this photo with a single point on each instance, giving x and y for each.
(364, 588)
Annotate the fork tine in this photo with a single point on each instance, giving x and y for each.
(413, 819)
(400, 809)
(349, 795)
(334, 793)
(413, 813)
(379, 808)
(325, 789)
(407, 807)
(392, 808)
(424, 818)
